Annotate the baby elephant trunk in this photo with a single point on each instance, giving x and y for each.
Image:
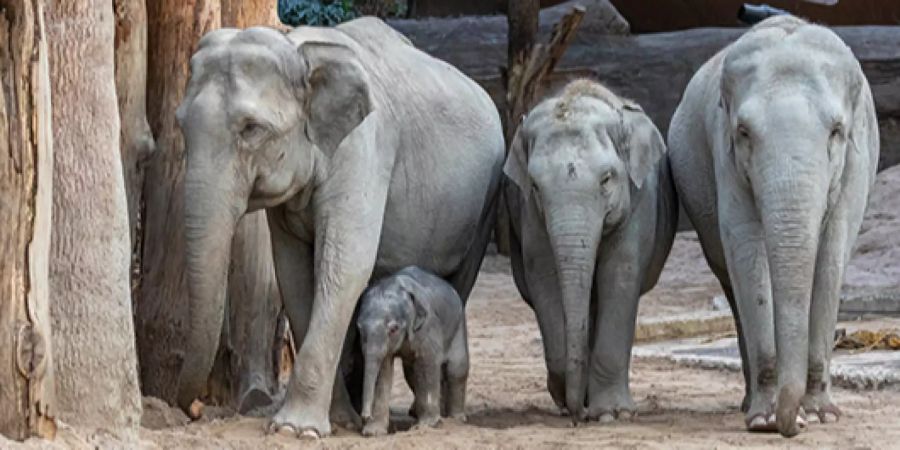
(374, 361)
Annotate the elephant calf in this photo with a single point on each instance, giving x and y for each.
(419, 317)
(592, 215)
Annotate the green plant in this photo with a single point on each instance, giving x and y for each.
(315, 12)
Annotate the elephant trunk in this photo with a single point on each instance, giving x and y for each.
(574, 237)
(373, 364)
(793, 212)
(210, 222)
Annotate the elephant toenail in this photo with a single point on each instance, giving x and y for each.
(309, 434)
(757, 423)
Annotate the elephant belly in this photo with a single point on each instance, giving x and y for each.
(433, 215)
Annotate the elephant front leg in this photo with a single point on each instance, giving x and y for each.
(427, 373)
(833, 254)
(617, 287)
(748, 270)
(345, 253)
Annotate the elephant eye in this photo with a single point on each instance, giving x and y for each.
(743, 131)
(606, 178)
(253, 133)
(837, 130)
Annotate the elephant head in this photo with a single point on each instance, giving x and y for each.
(793, 106)
(390, 314)
(578, 160)
(260, 117)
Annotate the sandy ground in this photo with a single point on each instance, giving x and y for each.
(508, 404)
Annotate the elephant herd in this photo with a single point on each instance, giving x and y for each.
(369, 157)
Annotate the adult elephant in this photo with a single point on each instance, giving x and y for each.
(773, 150)
(368, 156)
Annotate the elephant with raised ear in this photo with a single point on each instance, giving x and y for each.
(592, 215)
(774, 149)
(368, 156)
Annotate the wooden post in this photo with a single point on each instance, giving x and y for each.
(93, 333)
(528, 63)
(27, 392)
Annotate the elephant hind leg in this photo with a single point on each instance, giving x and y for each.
(463, 279)
(455, 375)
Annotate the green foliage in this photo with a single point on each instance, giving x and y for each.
(315, 12)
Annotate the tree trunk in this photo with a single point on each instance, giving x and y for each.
(245, 373)
(174, 28)
(522, 17)
(249, 13)
(27, 390)
(135, 139)
(93, 335)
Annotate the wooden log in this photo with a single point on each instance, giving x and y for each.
(27, 383)
(653, 69)
(93, 334)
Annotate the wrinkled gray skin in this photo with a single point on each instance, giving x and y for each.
(418, 317)
(367, 154)
(773, 150)
(593, 214)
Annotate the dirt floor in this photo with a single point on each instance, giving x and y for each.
(509, 406)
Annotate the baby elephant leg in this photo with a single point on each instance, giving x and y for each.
(427, 388)
(456, 372)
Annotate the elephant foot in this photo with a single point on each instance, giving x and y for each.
(427, 422)
(254, 399)
(819, 407)
(458, 416)
(300, 422)
(764, 422)
(611, 404)
(374, 429)
(345, 417)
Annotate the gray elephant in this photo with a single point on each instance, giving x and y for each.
(420, 318)
(368, 156)
(593, 214)
(773, 151)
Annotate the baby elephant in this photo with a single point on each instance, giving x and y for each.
(419, 317)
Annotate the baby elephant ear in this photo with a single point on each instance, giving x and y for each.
(641, 145)
(516, 167)
(421, 314)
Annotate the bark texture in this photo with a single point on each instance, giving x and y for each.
(135, 139)
(93, 336)
(174, 28)
(249, 13)
(27, 390)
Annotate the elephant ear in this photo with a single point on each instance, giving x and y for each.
(864, 128)
(420, 315)
(337, 92)
(640, 145)
(419, 294)
(516, 166)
